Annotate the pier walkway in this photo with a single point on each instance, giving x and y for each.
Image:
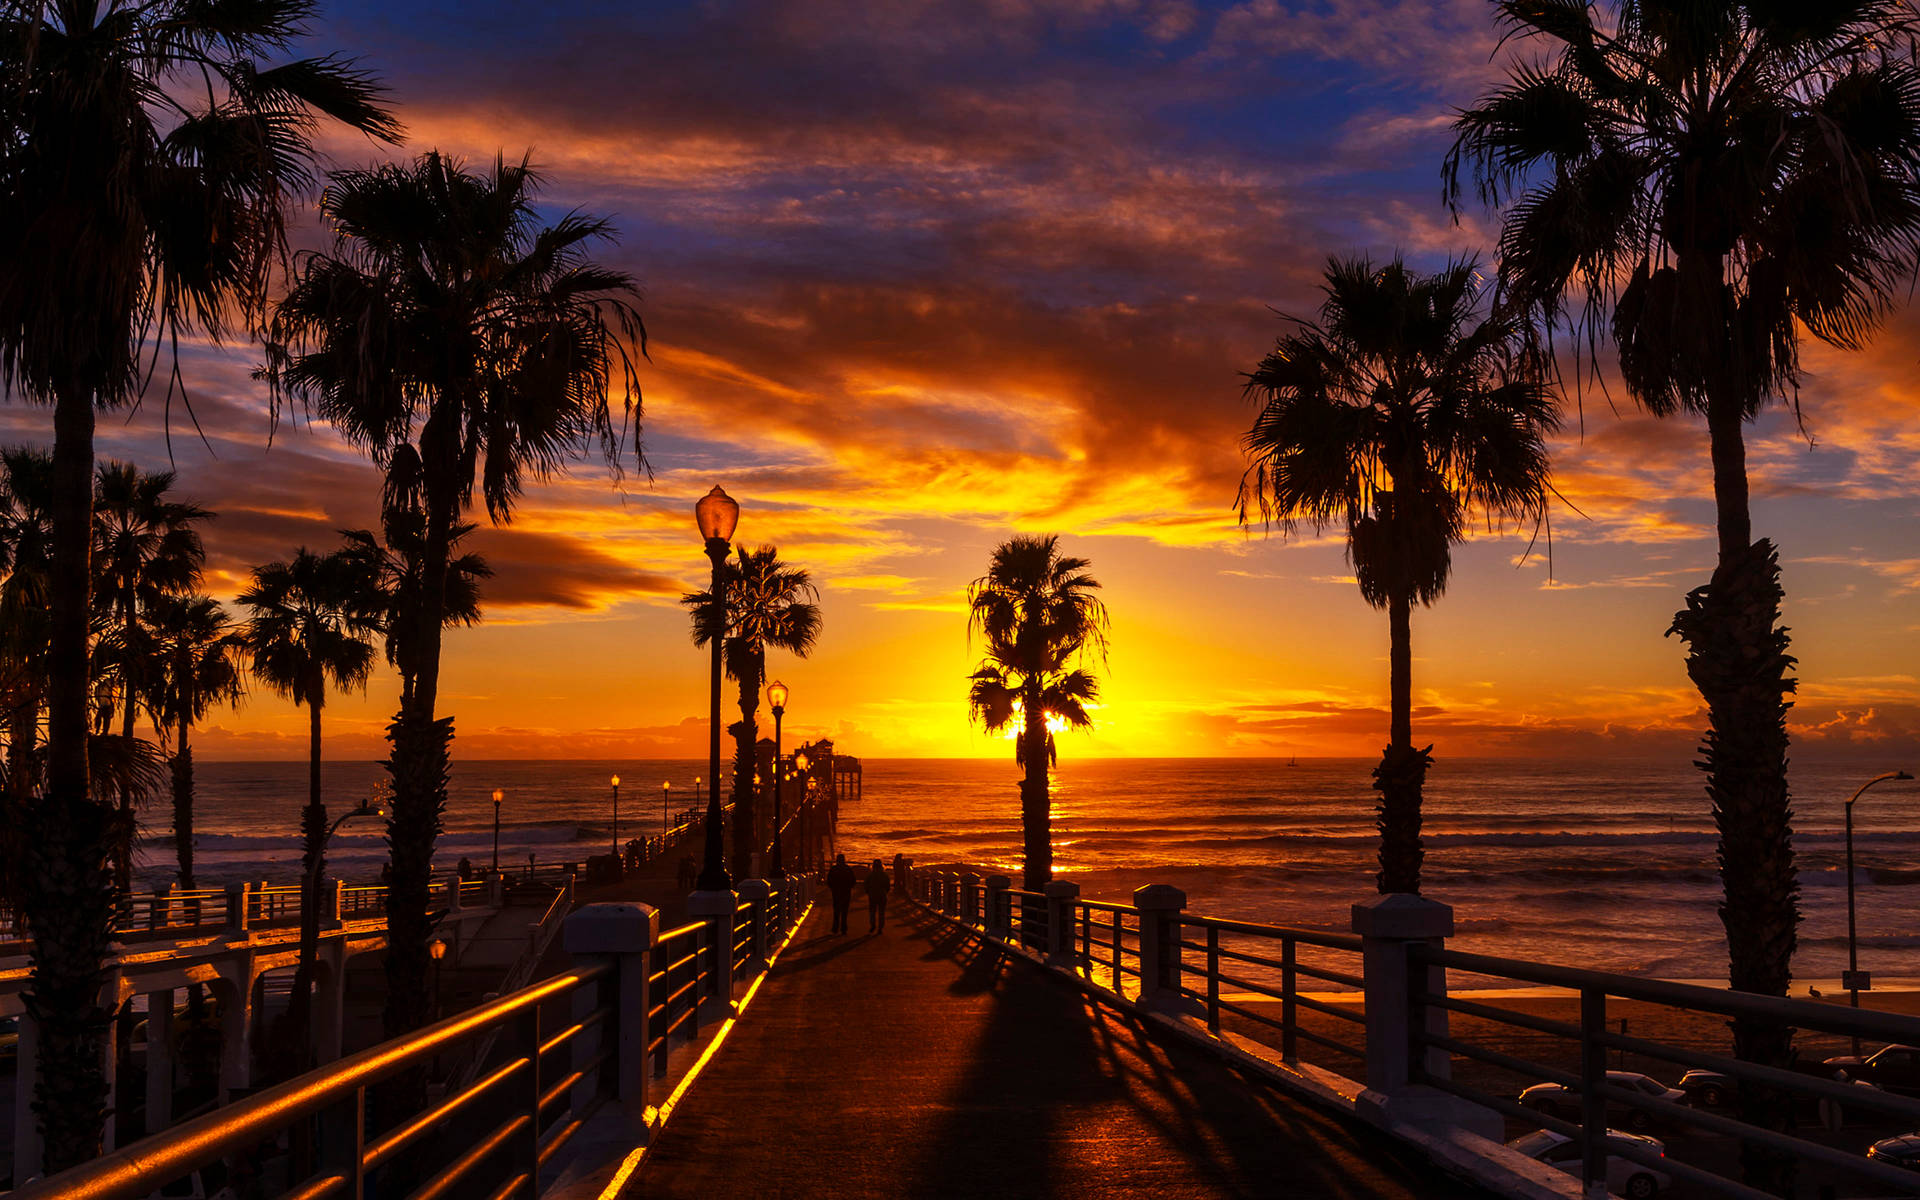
(924, 1062)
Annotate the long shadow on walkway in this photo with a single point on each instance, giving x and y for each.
(921, 1063)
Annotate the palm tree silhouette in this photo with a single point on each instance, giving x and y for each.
(463, 346)
(396, 568)
(150, 153)
(26, 555)
(312, 625)
(1703, 190)
(769, 605)
(146, 550)
(1037, 613)
(196, 651)
(1399, 413)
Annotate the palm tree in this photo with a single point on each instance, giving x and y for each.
(395, 568)
(1398, 414)
(1037, 613)
(196, 669)
(146, 550)
(460, 343)
(312, 625)
(769, 605)
(1706, 190)
(147, 154)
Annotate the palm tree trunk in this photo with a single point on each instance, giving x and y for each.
(419, 766)
(1036, 809)
(746, 761)
(123, 848)
(1737, 657)
(182, 766)
(296, 1053)
(1402, 771)
(22, 730)
(69, 895)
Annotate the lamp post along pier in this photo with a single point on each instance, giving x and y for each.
(499, 794)
(1855, 981)
(777, 700)
(716, 515)
(616, 818)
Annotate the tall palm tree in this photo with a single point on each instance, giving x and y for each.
(197, 667)
(462, 344)
(147, 154)
(1398, 414)
(770, 605)
(147, 549)
(1037, 613)
(1707, 185)
(312, 626)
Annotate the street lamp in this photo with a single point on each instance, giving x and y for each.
(716, 515)
(436, 950)
(498, 796)
(616, 818)
(697, 781)
(666, 810)
(777, 698)
(1855, 982)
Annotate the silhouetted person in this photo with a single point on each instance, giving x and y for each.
(877, 885)
(840, 883)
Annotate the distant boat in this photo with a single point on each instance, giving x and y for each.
(1291, 761)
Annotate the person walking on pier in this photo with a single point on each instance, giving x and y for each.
(877, 885)
(840, 883)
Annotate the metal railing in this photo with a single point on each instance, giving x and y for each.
(500, 1120)
(1238, 961)
(1262, 982)
(1590, 1040)
(527, 1109)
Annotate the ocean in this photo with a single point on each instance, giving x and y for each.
(1606, 864)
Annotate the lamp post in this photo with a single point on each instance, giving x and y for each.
(716, 515)
(1854, 981)
(777, 699)
(436, 950)
(696, 790)
(616, 818)
(666, 810)
(498, 796)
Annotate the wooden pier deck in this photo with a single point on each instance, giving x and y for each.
(920, 1063)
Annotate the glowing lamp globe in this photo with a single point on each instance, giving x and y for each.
(800, 759)
(615, 781)
(498, 795)
(777, 694)
(716, 514)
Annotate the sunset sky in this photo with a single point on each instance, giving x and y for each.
(923, 274)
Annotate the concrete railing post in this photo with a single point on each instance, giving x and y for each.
(453, 893)
(496, 890)
(1160, 906)
(159, 1060)
(996, 921)
(970, 898)
(716, 909)
(1061, 894)
(1389, 926)
(903, 876)
(623, 933)
(238, 902)
(332, 901)
(759, 893)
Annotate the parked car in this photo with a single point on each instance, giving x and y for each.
(1706, 1089)
(1557, 1101)
(1902, 1151)
(1625, 1177)
(1892, 1068)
